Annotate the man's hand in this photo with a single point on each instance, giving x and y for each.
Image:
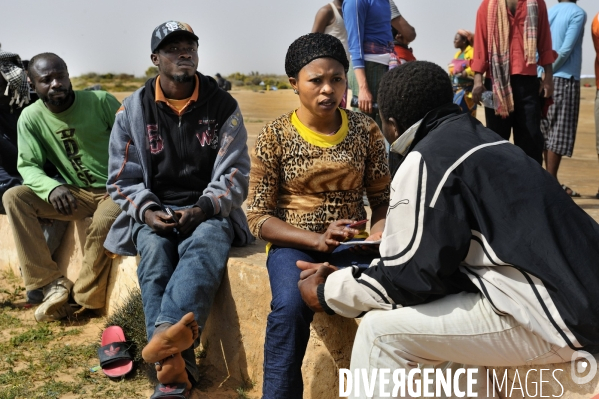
(337, 231)
(364, 94)
(312, 276)
(160, 222)
(546, 86)
(63, 200)
(189, 219)
(478, 89)
(365, 100)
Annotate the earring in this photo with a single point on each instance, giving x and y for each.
(294, 91)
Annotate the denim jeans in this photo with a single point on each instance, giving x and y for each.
(181, 274)
(288, 324)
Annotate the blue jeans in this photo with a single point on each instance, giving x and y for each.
(288, 324)
(181, 274)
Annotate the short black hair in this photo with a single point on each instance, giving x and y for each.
(43, 56)
(309, 47)
(411, 90)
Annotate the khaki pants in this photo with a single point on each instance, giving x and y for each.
(23, 207)
(460, 328)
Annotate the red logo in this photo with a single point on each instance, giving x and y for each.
(205, 138)
(155, 140)
(167, 389)
(112, 351)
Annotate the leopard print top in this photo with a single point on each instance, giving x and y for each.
(309, 186)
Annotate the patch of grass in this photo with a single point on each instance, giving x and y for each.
(10, 276)
(243, 390)
(56, 389)
(202, 351)
(13, 378)
(66, 333)
(8, 321)
(41, 335)
(46, 360)
(12, 392)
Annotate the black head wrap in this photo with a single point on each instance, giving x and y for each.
(309, 47)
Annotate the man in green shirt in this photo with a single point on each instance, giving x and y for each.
(71, 130)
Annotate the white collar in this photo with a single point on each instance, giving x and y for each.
(403, 142)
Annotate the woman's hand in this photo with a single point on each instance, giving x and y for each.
(337, 232)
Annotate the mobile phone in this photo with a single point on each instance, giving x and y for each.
(358, 223)
(172, 214)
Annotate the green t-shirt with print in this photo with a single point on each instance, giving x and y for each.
(75, 141)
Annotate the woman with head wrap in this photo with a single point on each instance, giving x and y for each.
(461, 74)
(310, 168)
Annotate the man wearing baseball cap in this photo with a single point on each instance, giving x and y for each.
(179, 169)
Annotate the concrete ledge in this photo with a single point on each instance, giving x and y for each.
(235, 330)
(234, 333)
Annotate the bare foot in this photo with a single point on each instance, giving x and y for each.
(172, 371)
(171, 339)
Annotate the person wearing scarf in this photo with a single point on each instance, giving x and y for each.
(509, 35)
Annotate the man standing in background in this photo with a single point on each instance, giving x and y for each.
(329, 20)
(567, 22)
(595, 34)
(370, 41)
(519, 32)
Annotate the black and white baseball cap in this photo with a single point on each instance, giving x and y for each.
(166, 29)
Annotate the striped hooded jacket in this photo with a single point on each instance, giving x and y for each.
(471, 212)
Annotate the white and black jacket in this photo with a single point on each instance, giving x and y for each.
(471, 212)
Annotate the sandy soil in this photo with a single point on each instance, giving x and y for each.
(581, 172)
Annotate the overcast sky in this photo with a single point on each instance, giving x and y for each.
(235, 35)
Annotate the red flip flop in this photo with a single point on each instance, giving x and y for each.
(115, 359)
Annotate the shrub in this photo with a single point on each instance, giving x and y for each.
(152, 72)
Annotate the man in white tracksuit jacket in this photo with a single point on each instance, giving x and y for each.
(485, 260)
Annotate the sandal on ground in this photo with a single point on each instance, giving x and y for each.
(570, 192)
(115, 359)
(171, 391)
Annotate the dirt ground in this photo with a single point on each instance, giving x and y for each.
(53, 360)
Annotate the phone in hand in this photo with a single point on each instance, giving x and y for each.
(357, 224)
(172, 214)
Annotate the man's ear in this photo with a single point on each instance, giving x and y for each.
(154, 58)
(395, 130)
